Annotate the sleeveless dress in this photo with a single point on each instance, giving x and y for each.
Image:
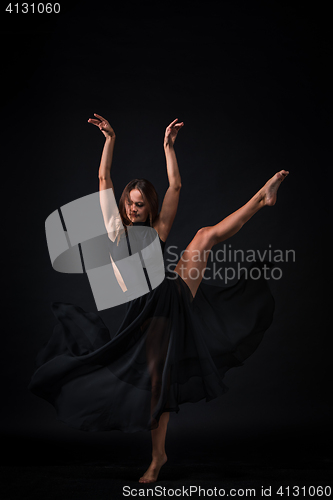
(169, 349)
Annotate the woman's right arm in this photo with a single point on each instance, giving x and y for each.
(104, 175)
(111, 216)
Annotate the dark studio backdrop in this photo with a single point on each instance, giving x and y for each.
(251, 82)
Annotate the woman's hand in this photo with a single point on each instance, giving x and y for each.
(107, 154)
(103, 125)
(171, 133)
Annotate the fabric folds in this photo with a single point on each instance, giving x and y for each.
(170, 349)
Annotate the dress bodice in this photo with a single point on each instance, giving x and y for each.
(147, 223)
(162, 245)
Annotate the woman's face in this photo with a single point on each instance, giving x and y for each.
(137, 209)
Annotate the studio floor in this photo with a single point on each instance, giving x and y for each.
(287, 464)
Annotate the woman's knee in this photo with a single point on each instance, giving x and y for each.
(156, 389)
(204, 237)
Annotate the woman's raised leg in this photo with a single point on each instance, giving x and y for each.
(192, 264)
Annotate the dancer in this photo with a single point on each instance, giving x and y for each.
(170, 348)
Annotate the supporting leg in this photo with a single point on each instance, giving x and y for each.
(157, 343)
(158, 450)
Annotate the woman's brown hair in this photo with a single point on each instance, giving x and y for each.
(149, 195)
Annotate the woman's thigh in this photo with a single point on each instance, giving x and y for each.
(192, 264)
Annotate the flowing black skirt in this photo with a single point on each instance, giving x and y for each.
(170, 349)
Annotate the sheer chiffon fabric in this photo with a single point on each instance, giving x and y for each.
(169, 349)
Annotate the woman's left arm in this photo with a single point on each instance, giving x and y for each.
(170, 202)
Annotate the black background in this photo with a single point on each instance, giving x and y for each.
(251, 81)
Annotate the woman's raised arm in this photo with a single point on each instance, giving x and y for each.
(111, 216)
(170, 202)
(107, 154)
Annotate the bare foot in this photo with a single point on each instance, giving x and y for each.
(268, 192)
(151, 474)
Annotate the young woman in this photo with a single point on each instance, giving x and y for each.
(175, 343)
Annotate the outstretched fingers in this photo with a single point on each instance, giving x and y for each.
(100, 117)
(178, 126)
(172, 123)
(175, 125)
(94, 122)
(97, 121)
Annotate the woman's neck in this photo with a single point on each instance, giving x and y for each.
(146, 223)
